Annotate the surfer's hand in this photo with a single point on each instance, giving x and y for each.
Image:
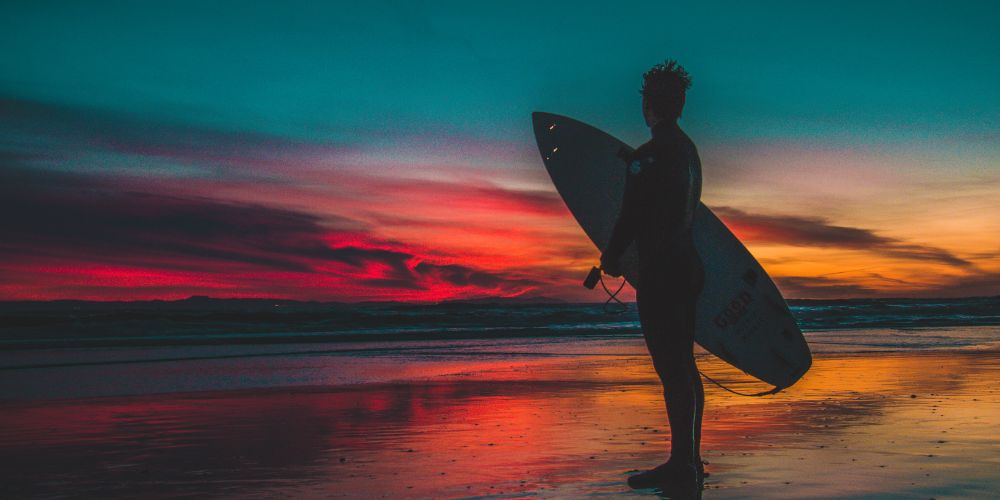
(610, 266)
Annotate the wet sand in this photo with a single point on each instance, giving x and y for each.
(570, 424)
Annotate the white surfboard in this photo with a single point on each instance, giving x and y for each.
(742, 317)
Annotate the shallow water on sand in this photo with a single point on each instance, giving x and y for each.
(569, 420)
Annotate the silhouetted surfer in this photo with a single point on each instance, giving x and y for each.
(662, 189)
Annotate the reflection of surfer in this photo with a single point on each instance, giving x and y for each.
(662, 189)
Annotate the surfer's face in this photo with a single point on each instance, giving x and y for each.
(651, 117)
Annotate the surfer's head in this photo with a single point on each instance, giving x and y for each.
(663, 90)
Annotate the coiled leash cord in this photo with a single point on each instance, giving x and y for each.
(614, 305)
(754, 395)
(610, 308)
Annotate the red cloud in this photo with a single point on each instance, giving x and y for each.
(76, 236)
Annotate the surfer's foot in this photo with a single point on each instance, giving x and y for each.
(673, 478)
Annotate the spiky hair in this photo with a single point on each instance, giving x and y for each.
(664, 86)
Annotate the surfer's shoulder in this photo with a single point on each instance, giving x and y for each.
(645, 149)
(644, 157)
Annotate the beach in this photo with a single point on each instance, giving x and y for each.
(499, 418)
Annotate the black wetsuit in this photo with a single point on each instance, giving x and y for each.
(662, 188)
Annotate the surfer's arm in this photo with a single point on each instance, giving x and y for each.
(626, 225)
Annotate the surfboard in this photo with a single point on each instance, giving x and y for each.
(741, 316)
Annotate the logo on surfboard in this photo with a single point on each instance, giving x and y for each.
(734, 311)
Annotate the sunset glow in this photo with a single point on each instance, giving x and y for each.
(390, 163)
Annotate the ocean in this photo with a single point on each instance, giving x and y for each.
(81, 349)
(205, 321)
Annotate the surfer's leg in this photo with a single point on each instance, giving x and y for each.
(682, 388)
(692, 379)
(691, 312)
(668, 327)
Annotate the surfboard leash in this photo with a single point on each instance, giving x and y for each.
(622, 307)
(738, 393)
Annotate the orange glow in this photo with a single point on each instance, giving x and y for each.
(855, 425)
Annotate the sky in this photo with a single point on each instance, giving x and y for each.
(383, 150)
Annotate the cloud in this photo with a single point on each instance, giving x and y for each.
(76, 216)
(73, 130)
(399, 269)
(823, 287)
(978, 285)
(462, 276)
(454, 198)
(818, 232)
(66, 224)
(537, 202)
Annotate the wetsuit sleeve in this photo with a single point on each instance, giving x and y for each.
(628, 221)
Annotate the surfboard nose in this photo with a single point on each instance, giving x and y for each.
(542, 121)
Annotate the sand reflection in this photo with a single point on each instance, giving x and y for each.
(913, 424)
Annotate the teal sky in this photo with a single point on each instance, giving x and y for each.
(882, 117)
(838, 71)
